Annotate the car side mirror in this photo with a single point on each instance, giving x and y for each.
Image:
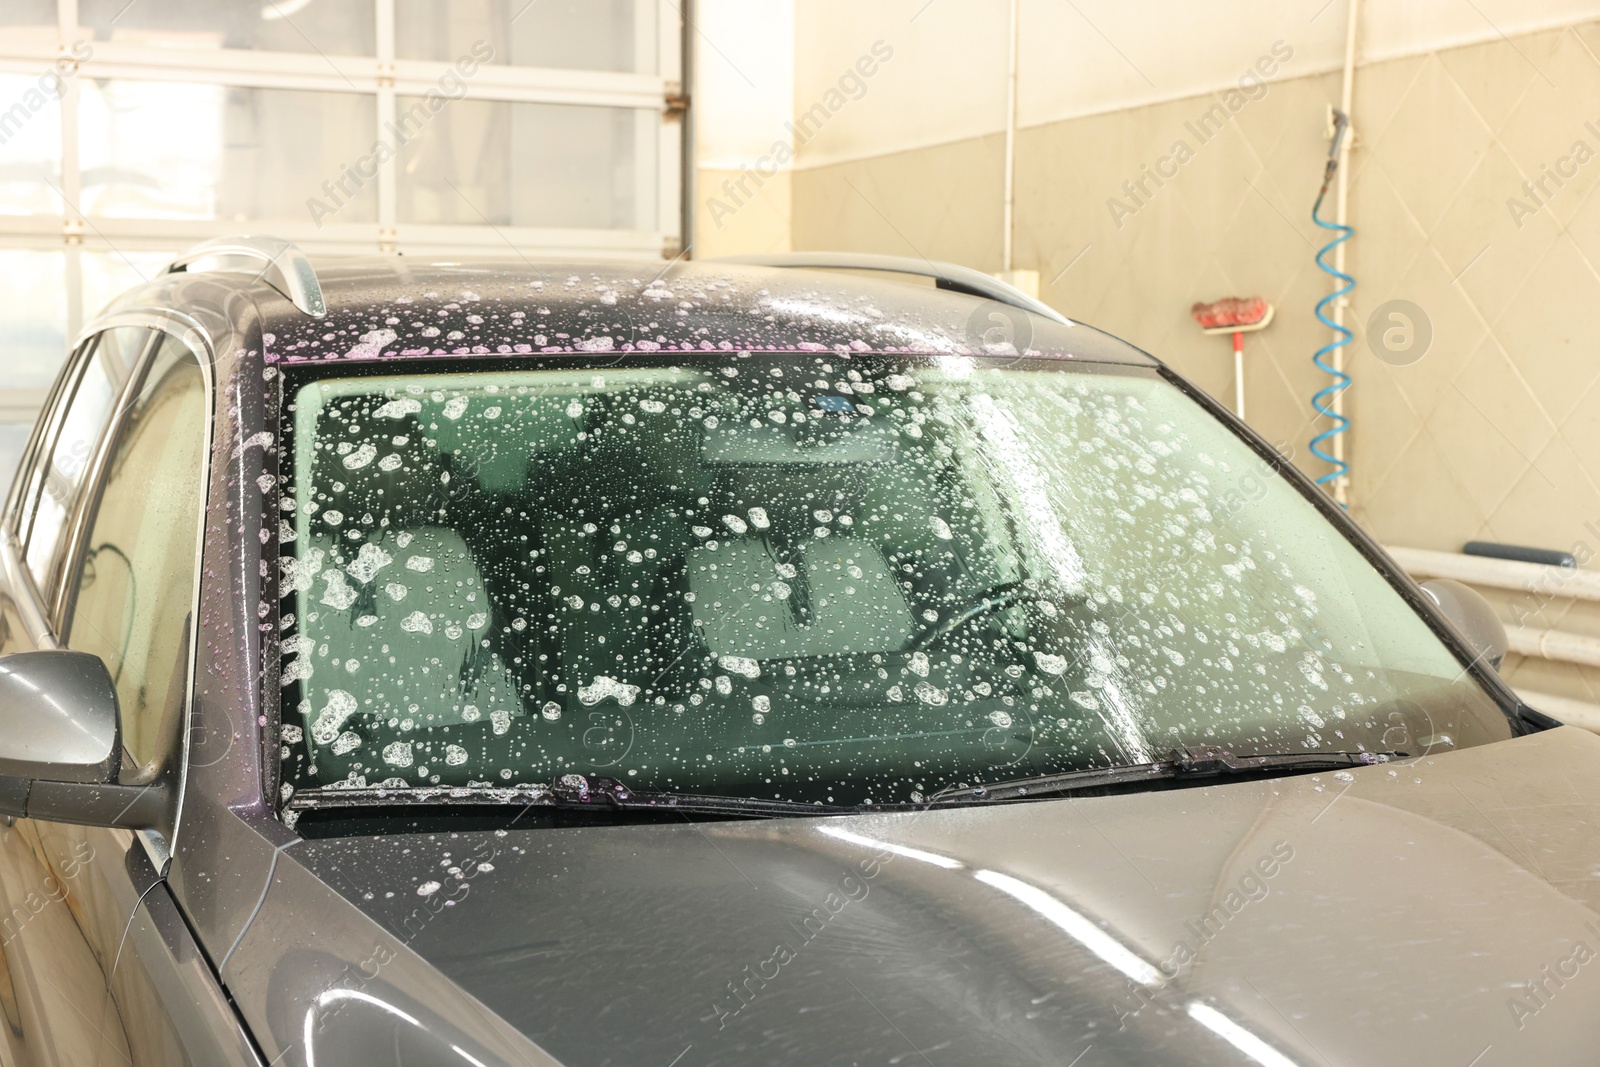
(60, 748)
(1472, 616)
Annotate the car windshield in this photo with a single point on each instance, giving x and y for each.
(824, 577)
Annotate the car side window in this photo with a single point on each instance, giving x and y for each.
(63, 461)
(135, 582)
(25, 483)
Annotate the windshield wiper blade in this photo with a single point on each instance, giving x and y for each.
(596, 791)
(573, 792)
(1203, 762)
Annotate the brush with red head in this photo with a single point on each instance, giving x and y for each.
(1237, 315)
(1233, 314)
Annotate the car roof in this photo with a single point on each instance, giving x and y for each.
(413, 307)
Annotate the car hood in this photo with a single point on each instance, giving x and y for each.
(1438, 911)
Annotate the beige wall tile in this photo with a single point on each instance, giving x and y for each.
(942, 202)
(1493, 85)
(1388, 238)
(1477, 442)
(1420, 504)
(1278, 410)
(1584, 226)
(1383, 426)
(1502, 400)
(1430, 146)
(1456, 327)
(1550, 118)
(1551, 502)
(1491, 249)
(1549, 328)
(1581, 429)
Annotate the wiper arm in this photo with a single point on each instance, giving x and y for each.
(1204, 762)
(595, 791)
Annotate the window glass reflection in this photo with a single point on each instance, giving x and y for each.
(88, 413)
(28, 13)
(183, 151)
(527, 165)
(33, 305)
(13, 438)
(30, 145)
(340, 27)
(614, 35)
(136, 585)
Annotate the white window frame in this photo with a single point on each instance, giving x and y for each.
(385, 78)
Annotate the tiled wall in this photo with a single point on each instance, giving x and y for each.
(1493, 434)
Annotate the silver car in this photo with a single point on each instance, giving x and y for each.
(498, 662)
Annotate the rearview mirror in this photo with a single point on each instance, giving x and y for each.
(1472, 616)
(59, 744)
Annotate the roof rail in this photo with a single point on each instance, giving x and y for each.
(271, 259)
(949, 276)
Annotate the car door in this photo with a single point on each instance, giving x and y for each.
(54, 924)
(121, 584)
(130, 598)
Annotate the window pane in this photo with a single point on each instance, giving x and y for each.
(617, 35)
(33, 305)
(179, 151)
(136, 586)
(107, 275)
(13, 439)
(88, 412)
(339, 27)
(30, 145)
(28, 13)
(527, 165)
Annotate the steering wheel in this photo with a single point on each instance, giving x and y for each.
(988, 602)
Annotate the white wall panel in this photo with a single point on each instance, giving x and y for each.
(947, 79)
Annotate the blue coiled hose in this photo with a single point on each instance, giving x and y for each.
(1321, 400)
